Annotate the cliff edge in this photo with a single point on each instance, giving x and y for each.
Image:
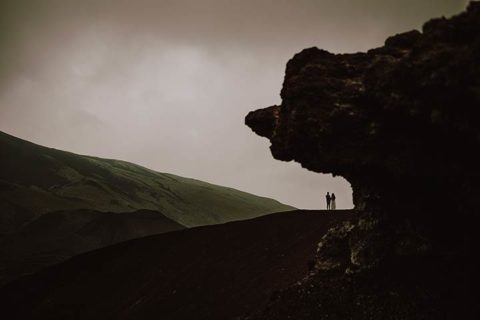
(400, 123)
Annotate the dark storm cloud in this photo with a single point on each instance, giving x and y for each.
(167, 83)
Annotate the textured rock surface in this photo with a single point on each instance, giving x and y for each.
(401, 123)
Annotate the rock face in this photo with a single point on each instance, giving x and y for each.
(400, 123)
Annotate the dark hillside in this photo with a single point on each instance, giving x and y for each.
(213, 272)
(57, 236)
(55, 204)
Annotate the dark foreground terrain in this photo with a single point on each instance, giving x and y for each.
(56, 236)
(214, 272)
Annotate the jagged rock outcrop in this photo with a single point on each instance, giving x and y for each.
(401, 124)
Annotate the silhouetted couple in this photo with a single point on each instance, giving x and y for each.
(331, 205)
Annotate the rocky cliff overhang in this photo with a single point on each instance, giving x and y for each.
(400, 122)
(405, 114)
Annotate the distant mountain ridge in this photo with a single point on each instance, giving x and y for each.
(36, 179)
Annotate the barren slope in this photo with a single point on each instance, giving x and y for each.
(213, 272)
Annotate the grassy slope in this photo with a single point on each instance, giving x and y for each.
(35, 180)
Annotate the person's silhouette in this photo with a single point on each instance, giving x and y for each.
(329, 198)
(333, 205)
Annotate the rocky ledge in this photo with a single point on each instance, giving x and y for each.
(401, 124)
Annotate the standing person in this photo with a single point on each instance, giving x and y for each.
(329, 198)
(333, 205)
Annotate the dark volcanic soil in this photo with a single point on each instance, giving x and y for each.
(214, 272)
(57, 236)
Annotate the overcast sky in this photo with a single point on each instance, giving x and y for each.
(167, 83)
